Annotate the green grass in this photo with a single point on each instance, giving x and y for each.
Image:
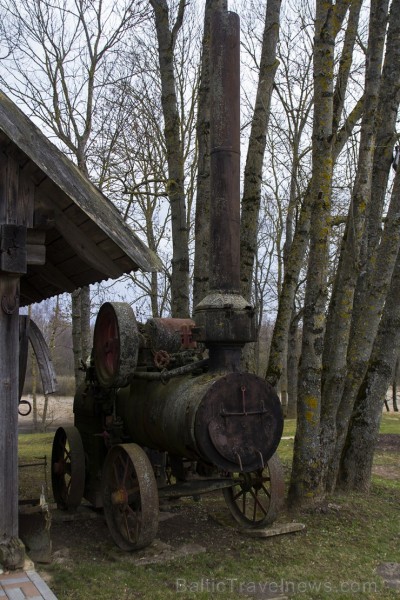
(335, 557)
(33, 449)
(390, 423)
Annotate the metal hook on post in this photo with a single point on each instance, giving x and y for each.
(10, 303)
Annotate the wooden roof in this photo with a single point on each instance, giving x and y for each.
(75, 236)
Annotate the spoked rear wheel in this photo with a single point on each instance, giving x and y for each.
(130, 497)
(68, 468)
(255, 498)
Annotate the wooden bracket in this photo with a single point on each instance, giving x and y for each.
(13, 248)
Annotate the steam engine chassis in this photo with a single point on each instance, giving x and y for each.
(154, 421)
(166, 410)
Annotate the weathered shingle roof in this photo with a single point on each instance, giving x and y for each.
(85, 238)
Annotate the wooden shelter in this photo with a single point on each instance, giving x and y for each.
(58, 232)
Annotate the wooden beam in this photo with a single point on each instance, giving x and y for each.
(35, 255)
(26, 193)
(56, 277)
(29, 293)
(35, 247)
(84, 247)
(16, 190)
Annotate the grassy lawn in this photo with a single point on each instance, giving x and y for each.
(345, 539)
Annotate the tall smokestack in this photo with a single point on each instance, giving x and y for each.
(224, 318)
(225, 153)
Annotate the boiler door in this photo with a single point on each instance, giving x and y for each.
(239, 423)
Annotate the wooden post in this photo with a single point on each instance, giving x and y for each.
(9, 384)
(11, 549)
(16, 215)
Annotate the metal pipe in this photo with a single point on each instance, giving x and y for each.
(225, 152)
(166, 375)
(224, 319)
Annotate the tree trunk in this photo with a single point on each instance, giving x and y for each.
(175, 188)
(293, 367)
(366, 322)
(294, 260)
(305, 478)
(52, 342)
(86, 337)
(256, 150)
(394, 394)
(80, 331)
(341, 305)
(293, 264)
(357, 457)
(374, 279)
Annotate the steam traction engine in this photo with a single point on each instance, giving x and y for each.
(166, 411)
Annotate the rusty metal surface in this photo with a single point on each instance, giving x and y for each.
(115, 344)
(167, 334)
(239, 423)
(224, 317)
(130, 497)
(195, 487)
(225, 152)
(219, 420)
(162, 416)
(90, 407)
(257, 497)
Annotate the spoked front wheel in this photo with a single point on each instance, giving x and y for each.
(130, 497)
(255, 498)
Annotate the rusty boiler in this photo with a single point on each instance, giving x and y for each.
(166, 410)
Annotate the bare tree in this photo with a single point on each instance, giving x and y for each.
(377, 260)
(305, 480)
(166, 35)
(60, 70)
(257, 142)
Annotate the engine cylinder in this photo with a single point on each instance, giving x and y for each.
(231, 420)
